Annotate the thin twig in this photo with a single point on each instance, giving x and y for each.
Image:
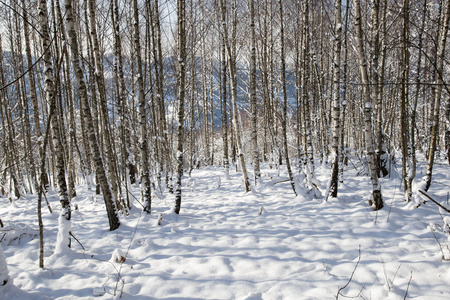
(126, 254)
(385, 275)
(390, 206)
(395, 275)
(440, 246)
(441, 183)
(407, 288)
(71, 234)
(281, 181)
(368, 212)
(351, 276)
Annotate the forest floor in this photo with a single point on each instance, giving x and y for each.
(227, 244)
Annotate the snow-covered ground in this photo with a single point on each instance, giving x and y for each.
(225, 244)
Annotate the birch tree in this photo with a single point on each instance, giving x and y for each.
(284, 90)
(307, 129)
(32, 85)
(101, 94)
(377, 200)
(231, 62)
(65, 215)
(379, 64)
(111, 210)
(437, 96)
(254, 134)
(334, 180)
(124, 130)
(181, 44)
(159, 76)
(404, 124)
(418, 80)
(224, 109)
(145, 173)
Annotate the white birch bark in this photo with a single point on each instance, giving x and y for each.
(181, 43)
(284, 117)
(334, 180)
(143, 140)
(254, 132)
(111, 210)
(437, 99)
(376, 200)
(232, 74)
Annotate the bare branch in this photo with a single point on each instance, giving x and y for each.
(438, 204)
(351, 276)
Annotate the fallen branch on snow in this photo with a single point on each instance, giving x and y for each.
(437, 203)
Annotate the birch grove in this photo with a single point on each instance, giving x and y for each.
(158, 88)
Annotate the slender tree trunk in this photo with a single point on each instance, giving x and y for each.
(284, 117)
(33, 95)
(212, 108)
(86, 161)
(124, 126)
(224, 114)
(416, 95)
(435, 32)
(155, 91)
(65, 85)
(89, 64)
(264, 62)
(342, 151)
(17, 99)
(42, 183)
(305, 93)
(374, 65)
(298, 98)
(382, 156)
(50, 95)
(159, 76)
(104, 117)
(145, 175)
(334, 180)
(404, 104)
(181, 13)
(376, 189)
(437, 97)
(205, 95)
(7, 135)
(51, 99)
(25, 131)
(113, 218)
(191, 92)
(254, 134)
(232, 73)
